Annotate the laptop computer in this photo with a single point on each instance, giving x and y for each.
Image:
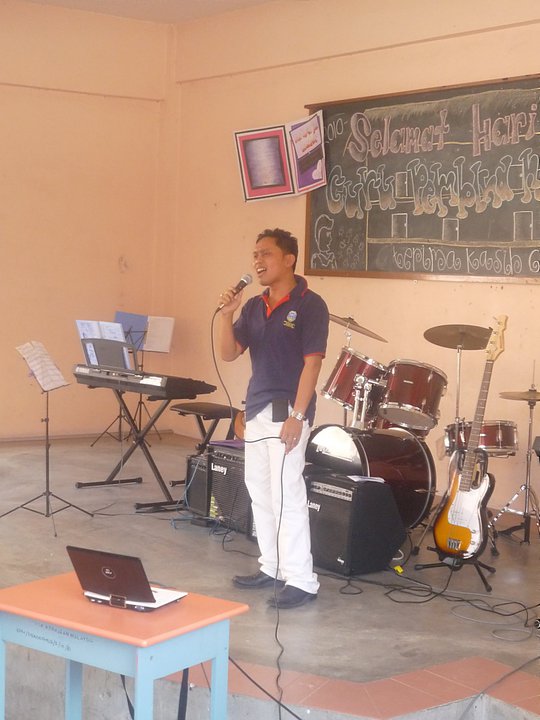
(118, 580)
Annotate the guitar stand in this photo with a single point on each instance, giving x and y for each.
(456, 563)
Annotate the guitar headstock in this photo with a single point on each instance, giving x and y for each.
(495, 345)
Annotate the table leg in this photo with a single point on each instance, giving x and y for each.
(73, 703)
(143, 700)
(2, 680)
(218, 687)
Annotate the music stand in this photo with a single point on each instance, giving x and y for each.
(49, 377)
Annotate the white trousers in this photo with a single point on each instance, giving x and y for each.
(279, 516)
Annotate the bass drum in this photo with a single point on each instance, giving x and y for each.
(401, 459)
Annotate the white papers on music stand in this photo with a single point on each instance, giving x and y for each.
(101, 329)
(42, 366)
(159, 334)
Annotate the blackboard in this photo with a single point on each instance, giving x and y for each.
(441, 183)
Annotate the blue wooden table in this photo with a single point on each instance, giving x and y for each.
(53, 616)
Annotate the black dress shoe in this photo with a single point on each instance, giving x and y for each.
(257, 580)
(291, 597)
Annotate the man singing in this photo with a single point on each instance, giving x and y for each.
(285, 330)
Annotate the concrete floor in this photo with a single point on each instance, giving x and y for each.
(374, 627)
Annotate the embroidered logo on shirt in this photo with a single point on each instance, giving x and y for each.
(289, 321)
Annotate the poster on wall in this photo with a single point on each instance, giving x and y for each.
(438, 183)
(306, 149)
(264, 163)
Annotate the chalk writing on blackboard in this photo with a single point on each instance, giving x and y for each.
(432, 183)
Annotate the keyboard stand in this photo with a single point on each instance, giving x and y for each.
(138, 437)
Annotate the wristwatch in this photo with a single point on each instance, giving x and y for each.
(297, 415)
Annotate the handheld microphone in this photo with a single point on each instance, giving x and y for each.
(240, 285)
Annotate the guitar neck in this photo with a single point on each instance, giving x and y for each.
(474, 437)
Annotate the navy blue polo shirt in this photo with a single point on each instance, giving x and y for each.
(278, 341)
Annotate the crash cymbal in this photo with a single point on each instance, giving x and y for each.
(466, 337)
(351, 324)
(530, 395)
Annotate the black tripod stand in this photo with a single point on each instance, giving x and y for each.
(456, 563)
(49, 512)
(531, 396)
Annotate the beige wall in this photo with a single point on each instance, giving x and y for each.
(120, 187)
(259, 69)
(82, 128)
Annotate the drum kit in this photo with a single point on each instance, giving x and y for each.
(393, 409)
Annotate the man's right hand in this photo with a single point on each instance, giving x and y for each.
(230, 300)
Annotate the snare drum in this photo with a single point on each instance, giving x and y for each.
(353, 369)
(498, 438)
(412, 395)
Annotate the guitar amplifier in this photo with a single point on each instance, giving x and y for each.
(355, 524)
(198, 485)
(230, 502)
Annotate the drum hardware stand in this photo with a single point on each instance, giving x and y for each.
(532, 396)
(47, 494)
(362, 389)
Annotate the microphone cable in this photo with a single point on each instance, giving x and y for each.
(276, 628)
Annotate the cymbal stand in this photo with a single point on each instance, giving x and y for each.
(348, 336)
(525, 489)
(457, 425)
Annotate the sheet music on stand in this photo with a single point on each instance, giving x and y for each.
(151, 333)
(42, 366)
(159, 334)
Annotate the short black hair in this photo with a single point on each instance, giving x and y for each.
(284, 240)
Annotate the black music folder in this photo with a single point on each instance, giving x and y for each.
(109, 354)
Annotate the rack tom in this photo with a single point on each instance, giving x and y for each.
(498, 438)
(353, 371)
(412, 395)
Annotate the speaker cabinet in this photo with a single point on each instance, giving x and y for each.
(355, 524)
(198, 485)
(230, 502)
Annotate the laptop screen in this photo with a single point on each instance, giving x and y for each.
(110, 574)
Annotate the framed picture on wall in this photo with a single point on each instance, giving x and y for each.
(264, 163)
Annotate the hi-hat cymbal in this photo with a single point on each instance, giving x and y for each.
(466, 337)
(530, 395)
(351, 324)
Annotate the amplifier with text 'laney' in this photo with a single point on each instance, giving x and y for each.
(355, 524)
(215, 487)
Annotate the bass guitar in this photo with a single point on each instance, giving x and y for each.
(460, 528)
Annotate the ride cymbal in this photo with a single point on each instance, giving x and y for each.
(466, 337)
(351, 324)
(530, 395)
